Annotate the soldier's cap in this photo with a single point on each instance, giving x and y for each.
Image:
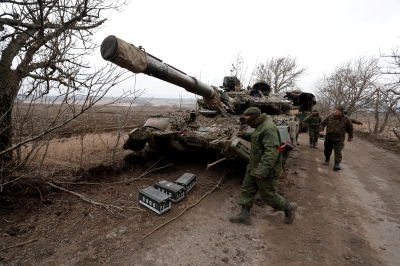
(252, 111)
(340, 108)
(315, 110)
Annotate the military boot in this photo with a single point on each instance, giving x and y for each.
(311, 143)
(336, 166)
(315, 144)
(243, 218)
(326, 161)
(290, 212)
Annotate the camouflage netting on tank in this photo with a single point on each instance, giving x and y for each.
(274, 99)
(242, 96)
(213, 103)
(209, 132)
(280, 120)
(263, 102)
(205, 129)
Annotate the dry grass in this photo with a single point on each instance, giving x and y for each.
(369, 124)
(82, 152)
(89, 140)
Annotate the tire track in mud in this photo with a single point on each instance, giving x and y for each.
(372, 179)
(327, 229)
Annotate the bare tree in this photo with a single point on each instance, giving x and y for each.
(323, 104)
(238, 69)
(388, 100)
(386, 106)
(237, 66)
(392, 67)
(376, 109)
(44, 47)
(352, 85)
(280, 73)
(390, 94)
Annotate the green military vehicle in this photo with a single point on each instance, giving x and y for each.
(216, 122)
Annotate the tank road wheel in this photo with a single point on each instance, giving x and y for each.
(134, 144)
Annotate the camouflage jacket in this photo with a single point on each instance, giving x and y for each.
(313, 121)
(265, 159)
(336, 127)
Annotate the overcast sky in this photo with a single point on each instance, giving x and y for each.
(202, 38)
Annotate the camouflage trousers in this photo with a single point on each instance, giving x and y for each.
(268, 191)
(336, 146)
(314, 134)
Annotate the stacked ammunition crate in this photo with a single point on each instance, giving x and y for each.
(155, 200)
(159, 197)
(175, 191)
(187, 180)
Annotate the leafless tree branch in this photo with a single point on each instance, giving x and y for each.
(280, 73)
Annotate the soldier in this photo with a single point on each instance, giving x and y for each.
(337, 124)
(313, 122)
(264, 168)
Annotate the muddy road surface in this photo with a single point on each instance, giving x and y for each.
(346, 217)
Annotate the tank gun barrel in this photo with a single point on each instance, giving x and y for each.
(128, 56)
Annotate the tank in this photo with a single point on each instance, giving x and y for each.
(218, 117)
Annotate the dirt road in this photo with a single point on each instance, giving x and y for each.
(347, 217)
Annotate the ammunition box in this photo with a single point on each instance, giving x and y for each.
(155, 200)
(175, 191)
(187, 180)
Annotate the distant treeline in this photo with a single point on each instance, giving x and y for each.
(139, 101)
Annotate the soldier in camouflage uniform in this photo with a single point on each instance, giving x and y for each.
(337, 124)
(313, 122)
(264, 168)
